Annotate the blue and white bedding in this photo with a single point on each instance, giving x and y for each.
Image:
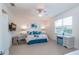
(36, 37)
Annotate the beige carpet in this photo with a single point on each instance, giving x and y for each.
(49, 48)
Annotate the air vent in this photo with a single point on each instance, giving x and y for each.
(12, 4)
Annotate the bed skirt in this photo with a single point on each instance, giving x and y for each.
(37, 41)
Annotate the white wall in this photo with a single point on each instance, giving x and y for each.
(75, 16)
(5, 37)
(51, 29)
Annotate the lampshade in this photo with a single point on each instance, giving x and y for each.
(42, 27)
(24, 27)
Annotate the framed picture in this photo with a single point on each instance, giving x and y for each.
(33, 25)
(12, 27)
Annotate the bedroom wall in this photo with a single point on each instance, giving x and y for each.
(75, 16)
(5, 37)
(46, 21)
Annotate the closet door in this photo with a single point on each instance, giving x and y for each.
(1, 37)
(1, 47)
(4, 33)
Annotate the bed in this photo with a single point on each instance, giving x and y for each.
(35, 37)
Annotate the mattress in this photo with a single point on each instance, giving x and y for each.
(31, 37)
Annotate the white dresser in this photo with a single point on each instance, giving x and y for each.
(68, 41)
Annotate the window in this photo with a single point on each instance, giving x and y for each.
(64, 26)
(58, 22)
(58, 27)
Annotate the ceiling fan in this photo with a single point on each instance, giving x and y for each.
(40, 11)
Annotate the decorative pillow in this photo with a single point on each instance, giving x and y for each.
(36, 35)
(34, 32)
(30, 33)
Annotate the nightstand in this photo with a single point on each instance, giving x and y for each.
(60, 40)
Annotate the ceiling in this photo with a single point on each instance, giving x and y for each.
(52, 9)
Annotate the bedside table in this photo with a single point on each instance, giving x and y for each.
(60, 40)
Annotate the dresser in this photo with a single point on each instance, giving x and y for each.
(66, 41)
